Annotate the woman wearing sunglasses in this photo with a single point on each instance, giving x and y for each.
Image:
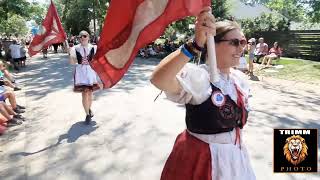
(274, 53)
(85, 78)
(212, 145)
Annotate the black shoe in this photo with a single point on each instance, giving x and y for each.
(88, 119)
(17, 110)
(13, 122)
(90, 113)
(16, 89)
(19, 117)
(20, 107)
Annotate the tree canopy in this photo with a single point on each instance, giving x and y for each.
(294, 10)
(15, 13)
(77, 14)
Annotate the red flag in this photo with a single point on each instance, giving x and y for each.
(51, 32)
(129, 26)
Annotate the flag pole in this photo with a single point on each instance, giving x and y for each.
(212, 59)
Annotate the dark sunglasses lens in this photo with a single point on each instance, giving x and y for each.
(84, 36)
(234, 42)
(237, 42)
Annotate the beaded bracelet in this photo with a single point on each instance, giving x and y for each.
(197, 47)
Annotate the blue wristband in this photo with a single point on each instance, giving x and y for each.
(186, 52)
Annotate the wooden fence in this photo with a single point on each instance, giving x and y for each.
(297, 44)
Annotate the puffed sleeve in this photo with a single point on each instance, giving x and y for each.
(241, 81)
(195, 84)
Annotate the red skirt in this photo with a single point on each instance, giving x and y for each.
(190, 159)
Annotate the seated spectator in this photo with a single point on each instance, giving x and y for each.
(168, 46)
(143, 53)
(274, 53)
(151, 51)
(12, 117)
(7, 94)
(6, 73)
(261, 49)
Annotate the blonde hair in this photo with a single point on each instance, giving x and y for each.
(223, 27)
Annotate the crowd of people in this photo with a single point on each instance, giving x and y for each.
(160, 50)
(10, 110)
(257, 52)
(13, 51)
(260, 50)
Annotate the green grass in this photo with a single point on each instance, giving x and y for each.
(294, 69)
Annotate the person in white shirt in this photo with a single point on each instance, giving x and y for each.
(15, 51)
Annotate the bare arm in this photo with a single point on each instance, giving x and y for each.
(164, 76)
(72, 60)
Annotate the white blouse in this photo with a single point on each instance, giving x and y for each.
(195, 83)
(83, 50)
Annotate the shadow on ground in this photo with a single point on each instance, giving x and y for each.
(74, 133)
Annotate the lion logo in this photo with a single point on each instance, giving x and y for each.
(295, 149)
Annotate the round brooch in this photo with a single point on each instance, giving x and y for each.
(218, 98)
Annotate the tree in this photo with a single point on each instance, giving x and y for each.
(15, 13)
(77, 14)
(266, 22)
(78, 17)
(14, 25)
(18, 7)
(314, 11)
(294, 10)
(37, 12)
(220, 9)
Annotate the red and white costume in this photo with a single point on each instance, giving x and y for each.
(197, 156)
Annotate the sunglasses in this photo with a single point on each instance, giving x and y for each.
(235, 42)
(84, 36)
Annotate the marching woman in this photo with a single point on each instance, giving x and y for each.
(211, 148)
(85, 78)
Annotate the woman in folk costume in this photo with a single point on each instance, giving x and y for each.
(85, 78)
(211, 148)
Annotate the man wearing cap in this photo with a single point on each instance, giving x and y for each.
(261, 49)
(85, 78)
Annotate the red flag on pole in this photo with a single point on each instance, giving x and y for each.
(51, 32)
(129, 26)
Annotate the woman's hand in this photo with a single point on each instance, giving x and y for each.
(205, 26)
